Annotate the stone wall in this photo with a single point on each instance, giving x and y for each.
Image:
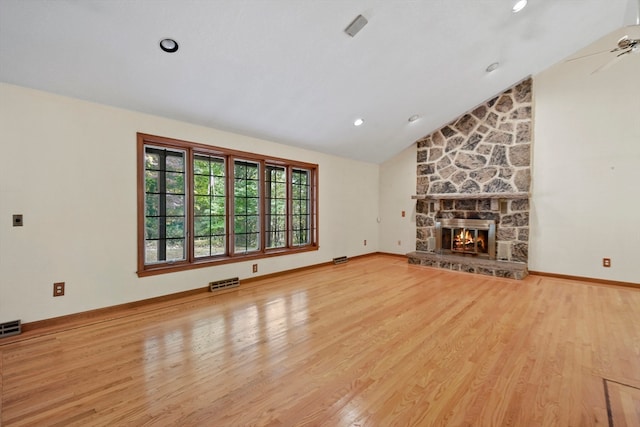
(486, 151)
(478, 167)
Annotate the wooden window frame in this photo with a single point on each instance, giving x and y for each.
(230, 156)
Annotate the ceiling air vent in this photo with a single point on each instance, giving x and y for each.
(224, 284)
(340, 260)
(10, 328)
(356, 25)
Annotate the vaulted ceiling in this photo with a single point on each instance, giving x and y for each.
(286, 71)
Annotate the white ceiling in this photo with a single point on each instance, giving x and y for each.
(285, 70)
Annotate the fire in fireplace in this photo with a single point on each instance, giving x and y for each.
(466, 237)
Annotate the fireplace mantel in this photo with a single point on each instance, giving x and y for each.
(463, 196)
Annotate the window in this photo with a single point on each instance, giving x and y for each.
(209, 206)
(246, 206)
(165, 205)
(301, 211)
(275, 206)
(200, 205)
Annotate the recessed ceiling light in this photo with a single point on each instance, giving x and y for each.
(169, 45)
(413, 118)
(493, 67)
(358, 122)
(519, 5)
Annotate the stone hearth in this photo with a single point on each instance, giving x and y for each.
(510, 270)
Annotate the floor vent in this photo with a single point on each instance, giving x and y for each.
(340, 260)
(10, 328)
(224, 284)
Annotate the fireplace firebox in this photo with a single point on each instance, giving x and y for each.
(476, 237)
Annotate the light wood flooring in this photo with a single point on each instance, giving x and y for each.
(373, 342)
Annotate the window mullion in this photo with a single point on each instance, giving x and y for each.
(189, 201)
(261, 206)
(231, 235)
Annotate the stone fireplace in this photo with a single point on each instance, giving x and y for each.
(473, 175)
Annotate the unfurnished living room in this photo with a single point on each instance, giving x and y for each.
(322, 213)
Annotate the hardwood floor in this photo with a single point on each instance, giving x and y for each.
(375, 341)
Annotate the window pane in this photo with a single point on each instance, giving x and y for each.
(151, 251)
(218, 205)
(151, 160)
(151, 179)
(152, 228)
(201, 165)
(253, 242)
(301, 219)
(202, 246)
(202, 205)
(252, 206)
(175, 183)
(201, 184)
(241, 243)
(240, 206)
(240, 187)
(218, 245)
(246, 206)
(209, 205)
(175, 205)
(175, 249)
(240, 225)
(275, 206)
(202, 226)
(219, 186)
(175, 227)
(252, 224)
(165, 207)
(152, 205)
(175, 162)
(252, 188)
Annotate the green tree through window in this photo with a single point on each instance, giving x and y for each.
(246, 212)
(164, 205)
(275, 206)
(301, 207)
(209, 211)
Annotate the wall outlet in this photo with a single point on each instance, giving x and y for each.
(365, 243)
(399, 242)
(58, 289)
(403, 214)
(606, 262)
(17, 220)
(255, 268)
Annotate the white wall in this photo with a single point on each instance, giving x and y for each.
(397, 185)
(69, 167)
(586, 169)
(586, 173)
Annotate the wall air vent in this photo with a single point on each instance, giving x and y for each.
(340, 260)
(10, 328)
(224, 284)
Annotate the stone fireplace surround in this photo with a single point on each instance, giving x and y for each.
(478, 167)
